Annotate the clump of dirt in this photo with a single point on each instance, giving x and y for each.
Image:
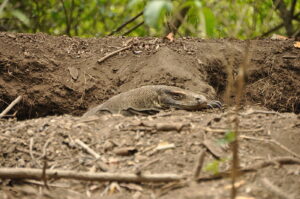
(57, 75)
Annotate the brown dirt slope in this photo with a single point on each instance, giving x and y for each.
(58, 75)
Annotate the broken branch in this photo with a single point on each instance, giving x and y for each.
(255, 167)
(208, 129)
(113, 53)
(126, 23)
(133, 28)
(199, 164)
(87, 148)
(5, 111)
(29, 173)
(269, 185)
(271, 141)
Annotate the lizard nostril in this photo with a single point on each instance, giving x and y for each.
(198, 99)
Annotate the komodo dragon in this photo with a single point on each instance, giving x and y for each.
(148, 100)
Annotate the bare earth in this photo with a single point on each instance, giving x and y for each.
(59, 79)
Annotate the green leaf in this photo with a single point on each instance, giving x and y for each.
(192, 3)
(213, 167)
(229, 137)
(154, 10)
(133, 3)
(209, 21)
(22, 17)
(2, 6)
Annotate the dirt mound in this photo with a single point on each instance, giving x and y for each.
(61, 76)
(58, 75)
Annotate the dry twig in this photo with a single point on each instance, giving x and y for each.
(45, 147)
(31, 142)
(50, 185)
(87, 148)
(199, 164)
(29, 173)
(133, 28)
(269, 185)
(271, 141)
(172, 186)
(140, 168)
(45, 165)
(251, 111)
(113, 53)
(126, 23)
(214, 148)
(44, 176)
(208, 129)
(5, 111)
(253, 168)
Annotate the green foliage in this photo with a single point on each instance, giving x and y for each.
(209, 20)
(21, 16)
(228, 138)
(213, 167)
(155, 10)
(90, 18)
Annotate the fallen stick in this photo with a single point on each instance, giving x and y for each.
(208, 129)
(29, 173)
(271, 141)
(199, 164)
(31, 142)
(5, 111)
(275, 189)
(259, 112)
(50, 185)
(87, 148)
(113, 53)
(253, 168)
(44, 176)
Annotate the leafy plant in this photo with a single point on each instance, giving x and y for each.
(89, 18)
(155, 10)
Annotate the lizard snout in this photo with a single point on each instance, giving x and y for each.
(201, 99)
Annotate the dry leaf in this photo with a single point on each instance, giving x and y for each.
(170, 36)
(114, 188)
(278, 37)
(112, 160)
(297, 44)
(214, 148)
(244, 197)
(237, 184)
(73, 72)
(132, 186)
(164, 146)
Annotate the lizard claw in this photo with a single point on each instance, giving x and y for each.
(214, 104)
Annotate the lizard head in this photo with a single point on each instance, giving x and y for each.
(173, 97)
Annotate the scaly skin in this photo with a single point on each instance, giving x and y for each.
(148, 100)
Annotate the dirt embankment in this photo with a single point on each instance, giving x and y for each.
(58, 75)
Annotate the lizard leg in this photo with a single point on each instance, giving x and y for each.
(131, 112)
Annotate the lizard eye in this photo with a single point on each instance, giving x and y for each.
(177, 96)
